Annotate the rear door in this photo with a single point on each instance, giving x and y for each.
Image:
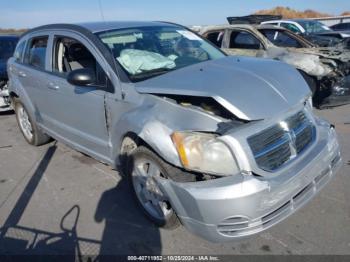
(31, 71)
(76, 114)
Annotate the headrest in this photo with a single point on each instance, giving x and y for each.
(77, 52)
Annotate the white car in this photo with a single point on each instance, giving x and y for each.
(312, 30)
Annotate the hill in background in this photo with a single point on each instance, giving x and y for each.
(12, 31)
(287, 12)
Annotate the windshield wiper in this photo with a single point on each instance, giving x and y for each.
(150, 73)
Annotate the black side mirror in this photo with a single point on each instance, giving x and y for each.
(82, 77)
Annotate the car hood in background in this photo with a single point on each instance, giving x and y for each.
(250, 88)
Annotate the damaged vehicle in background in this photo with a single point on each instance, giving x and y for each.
(227, 146)
(324, 69)
(7, 46)
(314, 31)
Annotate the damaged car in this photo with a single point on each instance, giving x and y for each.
(324, 69)
(227, 146)
(7, 46)
(313, 30)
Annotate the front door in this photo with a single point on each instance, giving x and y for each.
(76, 113)
(243, 43)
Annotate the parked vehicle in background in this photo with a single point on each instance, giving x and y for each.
(341, 27)
(7, 46)
(228, 146)
(324, 69)
(314, 31)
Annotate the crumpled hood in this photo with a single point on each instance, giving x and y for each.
(301, 58)
(250, 88)
(327, 52)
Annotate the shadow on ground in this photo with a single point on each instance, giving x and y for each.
(126, 230)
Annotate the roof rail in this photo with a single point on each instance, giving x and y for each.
(252, 19)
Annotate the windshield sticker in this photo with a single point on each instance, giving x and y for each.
(189, 35)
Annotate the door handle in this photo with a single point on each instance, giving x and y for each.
(21, 74)
(53, 86)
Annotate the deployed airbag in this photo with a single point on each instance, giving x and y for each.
(138, 61)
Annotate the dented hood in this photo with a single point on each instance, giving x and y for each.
(250, 88)
(326, 52)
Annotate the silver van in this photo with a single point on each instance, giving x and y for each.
(227, 146)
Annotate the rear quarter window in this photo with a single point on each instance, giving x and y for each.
(35, 55)
(18, 54)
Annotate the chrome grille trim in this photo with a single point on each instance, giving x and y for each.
(277, 145)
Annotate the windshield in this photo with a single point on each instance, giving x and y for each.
(312, 27)
(150, 51)
(7, 47)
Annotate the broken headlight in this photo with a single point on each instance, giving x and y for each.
(204, 153)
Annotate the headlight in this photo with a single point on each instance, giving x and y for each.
(204, 153)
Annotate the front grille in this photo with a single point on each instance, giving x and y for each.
(278, 144)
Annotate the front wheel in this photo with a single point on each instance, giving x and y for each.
(32, 134)
(145, 169)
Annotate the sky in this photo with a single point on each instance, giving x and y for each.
(31, 13)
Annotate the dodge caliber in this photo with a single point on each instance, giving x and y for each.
(226, 146)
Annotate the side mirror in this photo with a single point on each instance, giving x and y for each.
(82, 77)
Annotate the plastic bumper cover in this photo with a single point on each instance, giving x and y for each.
(234, 207)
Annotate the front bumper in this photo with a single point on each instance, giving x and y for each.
(234, 207)
(340, 94)
(4, 104)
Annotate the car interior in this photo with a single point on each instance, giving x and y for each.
(71, 55)
(37, 52)
(216, 38)
(244, 40)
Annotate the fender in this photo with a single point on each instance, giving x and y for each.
(155, 121)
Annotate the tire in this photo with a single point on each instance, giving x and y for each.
(145, 188)
(30, 131)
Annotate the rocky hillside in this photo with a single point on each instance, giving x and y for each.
(12, 31)
(287, 12)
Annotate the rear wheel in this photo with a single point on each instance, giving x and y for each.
(32, 134)
(145, 169)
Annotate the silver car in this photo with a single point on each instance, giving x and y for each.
(228, 146)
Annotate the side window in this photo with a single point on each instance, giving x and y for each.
(216, 38)
(19, 51)
(69, 54)
(280, 38)
(244, 40)
(36, 52)
(291, 27)
(339, 27)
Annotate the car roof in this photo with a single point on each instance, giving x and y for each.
(303, 20)
(95, 27)
(244, 26)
